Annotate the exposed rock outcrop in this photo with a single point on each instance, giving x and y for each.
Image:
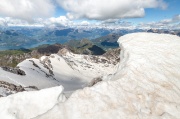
(15, 70)
(94, 81)
(11, 86)
(113, 55)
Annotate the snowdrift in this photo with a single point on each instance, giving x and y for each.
(145, 85)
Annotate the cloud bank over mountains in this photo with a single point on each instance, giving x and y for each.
(113, 13)
(63, 21)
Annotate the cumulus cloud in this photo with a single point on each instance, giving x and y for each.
(84, 23)
(7, 21)
(114, 9)
(26, 9)
(48, 22)
(3, 22)
(90, 9)
(59, 21)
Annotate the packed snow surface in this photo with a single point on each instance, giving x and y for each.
(146, 85)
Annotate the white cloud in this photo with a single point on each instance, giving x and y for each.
(106, 9)
(176, 18)
(84, 23)
(90, 9)
(26, 9)
(59, 21)
(3, 22)
(63, 21)
(8, 21)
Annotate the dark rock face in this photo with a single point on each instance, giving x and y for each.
(96, 50)
(11, 87)
(34, 64)
(32, 87)
(94, 81)
(50, 49)
(113, 55)
(106, 43)
(14, 70)
(46, 50)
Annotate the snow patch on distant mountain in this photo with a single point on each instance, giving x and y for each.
(146, 85)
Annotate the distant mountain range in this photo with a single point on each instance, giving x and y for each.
(173, 32)
(24, 37)
(29, 38)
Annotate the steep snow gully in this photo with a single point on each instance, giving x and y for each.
(146, 85)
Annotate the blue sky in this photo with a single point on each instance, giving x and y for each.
(158, 14)
(121, 13)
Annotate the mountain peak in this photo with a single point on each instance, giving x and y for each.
(63, 51)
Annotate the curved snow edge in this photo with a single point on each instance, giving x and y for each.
(30, 104)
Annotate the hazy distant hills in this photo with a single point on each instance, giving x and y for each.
(16, 38)
(10, 39)
(27, 37)
(108, 41)
(84, 46)
(30, 37)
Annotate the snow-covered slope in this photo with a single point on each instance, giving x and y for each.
(72, 71)
(146, 85)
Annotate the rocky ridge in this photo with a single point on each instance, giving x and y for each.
(9, 88)
(15, 70)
